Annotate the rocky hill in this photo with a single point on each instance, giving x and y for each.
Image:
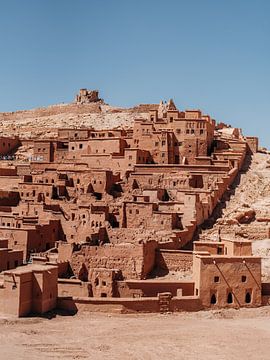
(245, 213)
(44, 122)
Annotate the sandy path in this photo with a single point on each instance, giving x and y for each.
(226, 334)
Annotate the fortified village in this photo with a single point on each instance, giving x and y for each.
(113, 219)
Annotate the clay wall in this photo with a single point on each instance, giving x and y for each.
(174, 260)
(73, 287)
(252, 143)
(151, 288)
(224, 281)
(137, 214)
(134, 261)
(31, 288)
(129, 305)
(35, 191)
(8, 144)
(10, 259)
(43, 151)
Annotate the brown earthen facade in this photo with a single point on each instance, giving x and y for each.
(106, 217)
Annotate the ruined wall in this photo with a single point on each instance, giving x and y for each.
(133, 260)
(174, 260)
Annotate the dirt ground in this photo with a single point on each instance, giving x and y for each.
(225, 334)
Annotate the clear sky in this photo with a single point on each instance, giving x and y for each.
(207, 54)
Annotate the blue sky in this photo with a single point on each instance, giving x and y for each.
(210, 54)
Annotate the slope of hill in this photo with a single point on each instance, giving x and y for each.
(245, 214)
(45, 121)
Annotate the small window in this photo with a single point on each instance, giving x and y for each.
(104, 283)
(72, 148)
(216, 279)
(229, 298)
(248, 298)
(213, 299)
(201, 131)
(137, 211)
(171, 119)
(163, 142)
(244, 278)
(80, 146)
(103, 295)
(130, 211)
(219, 250)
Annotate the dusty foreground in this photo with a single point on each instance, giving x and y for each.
(226, 334)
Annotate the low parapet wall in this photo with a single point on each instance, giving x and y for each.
(151, 288)
(126, 305)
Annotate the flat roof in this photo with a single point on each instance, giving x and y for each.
(29, 268)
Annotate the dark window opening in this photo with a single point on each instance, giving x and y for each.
(216, 279)
(103, 295)
(244, 278)
(248, 298)
(213, 299)
(219, 250)
(230, 298)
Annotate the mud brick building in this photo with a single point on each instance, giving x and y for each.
(106, 218)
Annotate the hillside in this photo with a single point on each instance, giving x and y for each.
(245, 214)
(44, 122)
